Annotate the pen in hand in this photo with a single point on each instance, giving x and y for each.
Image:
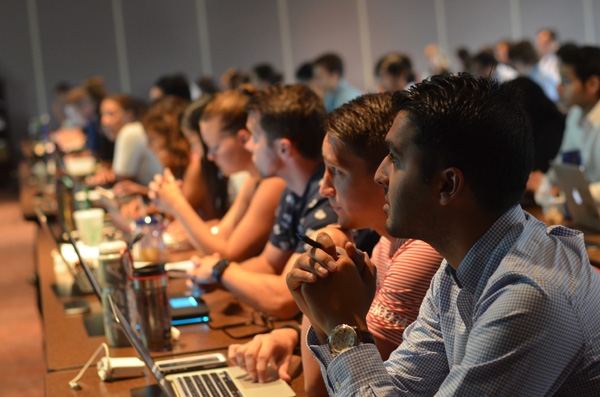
(313, 243)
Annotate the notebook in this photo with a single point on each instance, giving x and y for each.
(582, 206)
(228, 381)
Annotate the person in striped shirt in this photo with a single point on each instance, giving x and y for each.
(352, 150)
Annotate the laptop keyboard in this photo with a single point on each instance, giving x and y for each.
(218, 384)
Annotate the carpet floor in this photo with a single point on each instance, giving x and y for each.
(22, 364)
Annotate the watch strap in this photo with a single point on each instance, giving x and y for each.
(219, 269)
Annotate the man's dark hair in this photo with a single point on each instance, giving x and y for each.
(361, 126)
(176, 85)
(294, 112)
(585, 60)
(304, 73)
(474, 124)
(266, 72)
(524, 52)
(331, 62)
(396, 64)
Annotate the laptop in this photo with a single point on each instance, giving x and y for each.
(228, 381)
(582, 206)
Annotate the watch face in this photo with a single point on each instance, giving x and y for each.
(342, 338)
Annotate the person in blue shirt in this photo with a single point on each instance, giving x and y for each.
(328, 72)
(513, 309)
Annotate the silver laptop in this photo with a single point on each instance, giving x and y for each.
(228, 381)
(582, 206)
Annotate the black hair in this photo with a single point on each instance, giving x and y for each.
(361, 126)
(266, 73)
(584, 60)
(304, 73)
(294, 112)
(474, 124)
(207, 85)
(396, 64)
(176, 85)
(331, 62)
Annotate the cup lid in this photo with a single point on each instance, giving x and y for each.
(153, 270)
(111, 247)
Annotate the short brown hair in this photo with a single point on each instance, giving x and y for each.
(294, 112)
(230, 106)
(361, 126)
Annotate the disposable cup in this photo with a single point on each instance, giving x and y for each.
(89, 224)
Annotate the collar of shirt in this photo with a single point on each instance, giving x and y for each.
(486, 254)
(593, 117)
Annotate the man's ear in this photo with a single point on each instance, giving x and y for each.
(592, 84)
(243, 135)
(452, 183)
(284, 147)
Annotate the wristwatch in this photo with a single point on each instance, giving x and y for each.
(219, 269)
(345, 336)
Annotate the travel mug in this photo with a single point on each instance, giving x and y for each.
(154, 314)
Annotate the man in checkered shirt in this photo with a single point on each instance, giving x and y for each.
(515, 306)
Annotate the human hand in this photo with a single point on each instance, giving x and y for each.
(203, 267)
(127, 188)
(177, 232)
(133, 209)
(166, 191)
(346, 285)
(307, 270)
(104, 176)
(276, 347)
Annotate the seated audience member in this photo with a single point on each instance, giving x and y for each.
(580, 93)
(546, 45)
(524, 59)
(305, 75)
(96, 89)
(504, 72)
(352, 150)
(394, 72)
(232, 79)
(244, 230)
(81, 114)
(483, 64)
(162, 125)
(133, 160)
(264, 76)
(547, 122)
(509, 287)
(286, 123)
(208, 195)
(207, 86)
(59, 101)
(328, 72)
(176, 85)
(437, 61)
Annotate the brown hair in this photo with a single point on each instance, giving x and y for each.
(230, 106)
(164, 117)
(128, 104)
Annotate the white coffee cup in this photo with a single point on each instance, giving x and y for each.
(89, 224)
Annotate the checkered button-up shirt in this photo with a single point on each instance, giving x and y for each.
(520, 317)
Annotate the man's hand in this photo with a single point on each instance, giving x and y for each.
(332, 292)
(203, 267)
(166, 191)
(276, 347)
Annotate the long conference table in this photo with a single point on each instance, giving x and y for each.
(71, 339)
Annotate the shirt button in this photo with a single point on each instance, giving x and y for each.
(337, 386)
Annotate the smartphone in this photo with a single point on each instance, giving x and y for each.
(188, 309)
(77, 307)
